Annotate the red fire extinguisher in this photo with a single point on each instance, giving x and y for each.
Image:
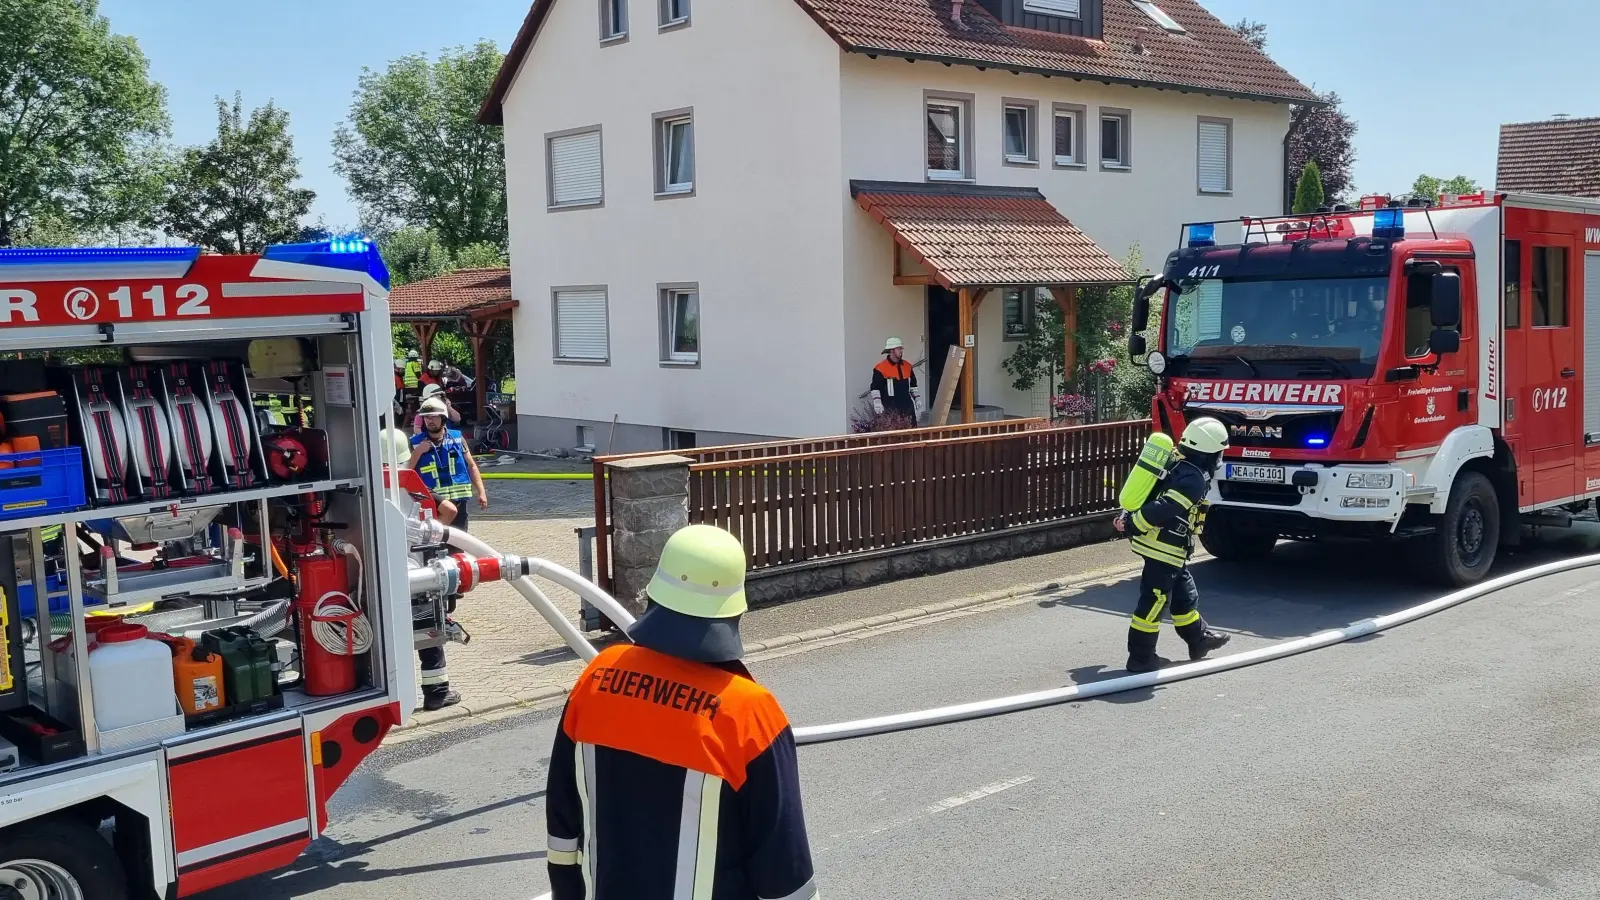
(333, 630)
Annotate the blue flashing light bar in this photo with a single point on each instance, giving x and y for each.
(1203, 235)
(68, 256)
(1316, 440)
(353, 253)
(1389, 222)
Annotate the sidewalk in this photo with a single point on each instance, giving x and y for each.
(516, 660)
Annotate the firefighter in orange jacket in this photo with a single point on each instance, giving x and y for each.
(894, 382)
(673, 772)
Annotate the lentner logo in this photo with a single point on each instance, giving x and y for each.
(81, 304)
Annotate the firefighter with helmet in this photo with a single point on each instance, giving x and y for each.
(673, 772)
(1163, 530)
(894, 382)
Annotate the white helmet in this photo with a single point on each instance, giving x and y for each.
(431, 390)
(893, 343)
(435, 365)
(1205, 435)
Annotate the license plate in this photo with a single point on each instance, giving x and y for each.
(1263, 474)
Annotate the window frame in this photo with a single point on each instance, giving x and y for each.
(666, 310)
(555, 324)
(1534, 289)
(550, 170)
(1028, 309)
(667, 21)
(1124, 117)
(1047, 8)
(669, 439)
(1029, 109)
(661, 129)
(610, 32)
(1161, 17)
(1511, 284)
(1227, 124)
(964, 105)
(1077, 113)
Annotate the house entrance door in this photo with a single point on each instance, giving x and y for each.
(944, 331)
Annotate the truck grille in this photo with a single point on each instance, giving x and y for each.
(1279, 432)
(1273, 494)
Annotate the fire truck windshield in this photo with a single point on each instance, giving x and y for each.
(1254, 328)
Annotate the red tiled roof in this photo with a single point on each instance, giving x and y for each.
(975, 236)
(457, 295)
(1210, 58)
(1555, 157)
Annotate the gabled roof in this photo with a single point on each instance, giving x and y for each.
(468, 293)
(1560, 156)
(1210, 58)
(979, 236)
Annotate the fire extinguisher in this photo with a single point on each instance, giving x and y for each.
(333, 629)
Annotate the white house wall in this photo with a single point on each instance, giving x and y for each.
(883, 132)
(761, 236)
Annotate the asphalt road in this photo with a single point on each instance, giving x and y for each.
(1451, 758)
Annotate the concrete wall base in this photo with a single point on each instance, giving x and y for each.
(826, 576)
(556, 433)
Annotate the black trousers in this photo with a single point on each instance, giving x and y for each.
(435, 674)
(1164, 589)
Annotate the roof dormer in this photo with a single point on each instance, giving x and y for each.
(1075, 17)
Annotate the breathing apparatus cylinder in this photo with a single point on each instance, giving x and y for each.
(1151, 467)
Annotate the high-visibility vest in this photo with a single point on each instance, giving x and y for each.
(444, 469)
(413, 376)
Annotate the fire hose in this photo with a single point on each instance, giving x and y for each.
(520, 568)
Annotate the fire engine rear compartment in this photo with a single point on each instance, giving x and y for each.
(244, 544)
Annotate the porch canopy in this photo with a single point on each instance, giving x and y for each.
(970, 239)
(477, 298)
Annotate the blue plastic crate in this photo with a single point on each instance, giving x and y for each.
(59, 605)
(41, 483)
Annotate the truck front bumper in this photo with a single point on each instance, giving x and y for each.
(1338, 493)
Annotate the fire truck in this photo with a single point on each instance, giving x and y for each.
(206, 613)
(1425, 371)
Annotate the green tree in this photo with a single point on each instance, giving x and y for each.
(77, 111)
(414, 254)
(482, 255)
(237, 194)
(1430, 187)
(414, 153)
(1253, 32)
(1308, 193)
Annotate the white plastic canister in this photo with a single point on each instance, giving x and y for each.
(130, 677)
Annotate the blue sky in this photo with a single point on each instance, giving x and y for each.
(1428, 81)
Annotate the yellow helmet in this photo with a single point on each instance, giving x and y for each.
(1205, 435)
(698, 592)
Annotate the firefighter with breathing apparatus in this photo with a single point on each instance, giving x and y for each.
(1164, 510)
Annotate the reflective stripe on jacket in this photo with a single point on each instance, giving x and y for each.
(1165, 528)
(444, 468)
(674, 780)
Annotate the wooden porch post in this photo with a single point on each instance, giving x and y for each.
(966, 318)
(1067, 299)
(478, 331)
(425, 332)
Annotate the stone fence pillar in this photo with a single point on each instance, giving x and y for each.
(649, 501)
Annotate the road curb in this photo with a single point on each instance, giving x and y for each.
(422, 723)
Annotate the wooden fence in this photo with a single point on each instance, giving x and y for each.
(858, 496)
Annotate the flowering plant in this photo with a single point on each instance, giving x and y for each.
(1103, 366)
(1075, 406)
(864, 420)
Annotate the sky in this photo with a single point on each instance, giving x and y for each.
(1428, 81)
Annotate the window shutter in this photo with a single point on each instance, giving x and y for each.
(576, 174)
(1591, 341)
(1213, 157)
(581, 328)
(1058, 7)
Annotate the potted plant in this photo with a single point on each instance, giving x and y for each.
(1071, 409)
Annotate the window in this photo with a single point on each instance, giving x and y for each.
(1115, 152)
(1161, 18)
(947, 138)
(1017, 312)
(1549, 287)
(1513, 285)
(1419, 313)
(680, 324)
(675, 152)
(1018, 140)
(1215, 168)
(1069, 136)
(1052, 7)
(613, 19)
(576, 172)
(679, 440)
(581, 329)
(585, 437)
(674, 12)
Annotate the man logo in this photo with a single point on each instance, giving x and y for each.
(1270, 432)
(81, 304)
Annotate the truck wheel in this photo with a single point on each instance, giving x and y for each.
(1229, 540)
(1462, 548)
(59, 859)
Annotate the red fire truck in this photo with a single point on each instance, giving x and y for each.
(205, 620)
(1426, 371)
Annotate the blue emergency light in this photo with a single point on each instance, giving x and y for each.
(68, 256)
(1203, 235)
(1316, 440)
(1389, 222)
(353, 253)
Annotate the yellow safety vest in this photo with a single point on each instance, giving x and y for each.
(413, 374)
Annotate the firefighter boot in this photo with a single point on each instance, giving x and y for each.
(1206, 642)
(1138, 664)
(436, 701)
(1142, 651)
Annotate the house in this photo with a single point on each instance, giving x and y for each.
(719, 209)
(1557, 156)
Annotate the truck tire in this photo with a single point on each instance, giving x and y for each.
(1462, 547)
(59, 859)
(1230, 540)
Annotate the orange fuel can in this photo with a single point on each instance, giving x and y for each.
(197, 674)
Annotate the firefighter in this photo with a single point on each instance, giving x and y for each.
(411, 379)
(673, 772)
(1163, 531)
(894, 382)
